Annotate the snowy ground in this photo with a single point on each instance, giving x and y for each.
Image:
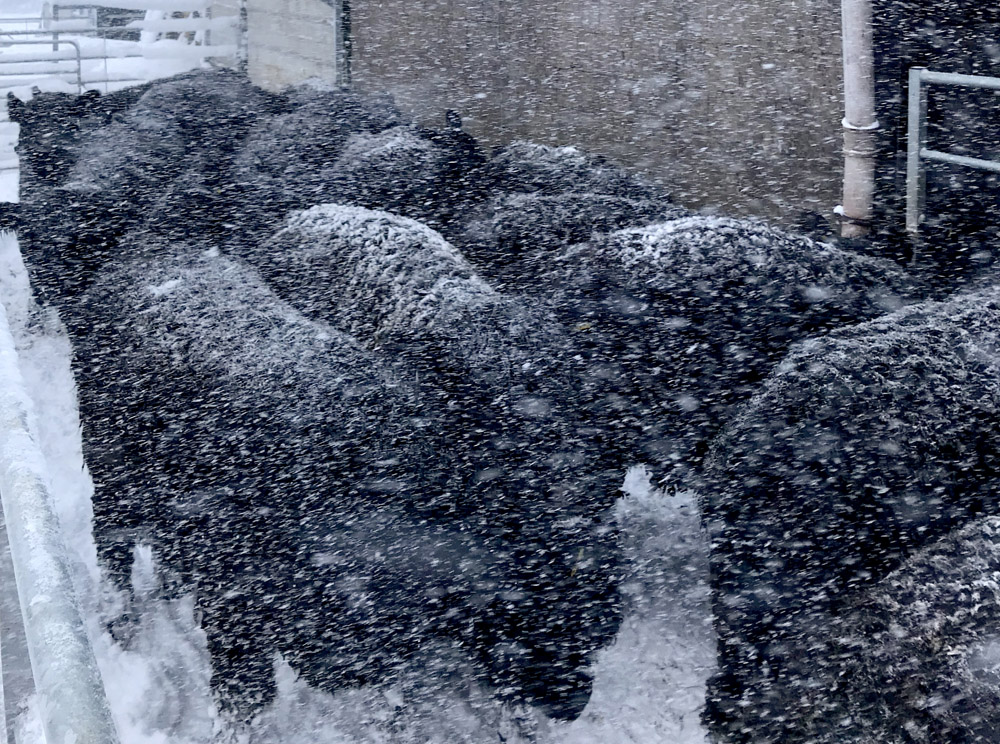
(650, 684)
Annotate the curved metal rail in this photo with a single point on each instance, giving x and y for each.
(78, 59)
(73, 703)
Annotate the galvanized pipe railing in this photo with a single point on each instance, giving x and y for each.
(78, 58)
(71, 695)
(916, 149)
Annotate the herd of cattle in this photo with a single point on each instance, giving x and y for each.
(367, 389)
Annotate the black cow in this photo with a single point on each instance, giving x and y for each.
(514, 238)
(858, 449)
(191, 124)
(51, 125)
(533, 455)
(543, 199)
(285, 162)
(432, 176)
(688, 315)
(916, 652)
(273, 468)
(347, 147)
(9, 216)
(94, 168)
(263, 456)
(528, 167)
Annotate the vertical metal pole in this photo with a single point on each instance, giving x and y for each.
(242, 39)
(79, 68)
(916, 137)
(860, 125)
(207, 38)
(343, 42)
(55, 34)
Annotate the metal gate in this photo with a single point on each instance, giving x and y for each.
(60, 46)
(917, 150)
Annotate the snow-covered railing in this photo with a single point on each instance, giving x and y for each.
(72, 702)
(41, 63)
(180, 6)
(193, 41)
(917, 137)
(29, 22)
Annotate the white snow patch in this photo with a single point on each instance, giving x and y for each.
(403, 274)
(165, 288)
(364, 146)
(650, 684)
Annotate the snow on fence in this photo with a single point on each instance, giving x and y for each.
(72, 702)
(196, 36)
(917, 137)
(179, 6)
(31, 64)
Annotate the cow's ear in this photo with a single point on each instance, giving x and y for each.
(15, 108)
(89, 98)
(87, 103)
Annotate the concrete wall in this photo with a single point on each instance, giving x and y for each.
(289, 41)
(734, 103)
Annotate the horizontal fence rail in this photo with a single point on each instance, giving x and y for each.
(51, 59)
(182, 6)
(33, 64)
(72, 701)
(917, 150)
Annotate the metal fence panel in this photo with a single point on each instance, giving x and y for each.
(916, 149)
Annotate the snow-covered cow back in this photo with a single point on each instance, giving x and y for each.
(369, 272)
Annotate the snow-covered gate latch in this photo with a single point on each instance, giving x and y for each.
(72, 702)
(916, 134)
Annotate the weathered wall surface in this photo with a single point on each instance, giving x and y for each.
(290, 41)
(736, 105)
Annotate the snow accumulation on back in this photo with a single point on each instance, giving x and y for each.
(861, 448)
(718, 250)
(151, 141)
(531, 167)
(200, 293)
(390, 144)
(947, 597)
(380, 272)
(288, 154)
(393, 281)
